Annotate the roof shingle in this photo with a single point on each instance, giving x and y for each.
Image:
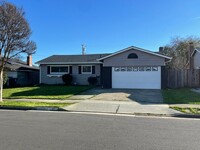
(72, 58)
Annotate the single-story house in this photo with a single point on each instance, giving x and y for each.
(132, 67)
(21, 73)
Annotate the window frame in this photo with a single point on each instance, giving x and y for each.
(129, 68)
(141, 68)
(123, 69)
(135, 68)
(116, 69)
(59, 73)
(154, 68)
(82, 72)
(148, 68)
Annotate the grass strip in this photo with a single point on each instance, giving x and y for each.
(33, 104)
(180, 96)
(187, 110)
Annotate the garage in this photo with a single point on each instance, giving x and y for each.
(136, 77)
(133, 68)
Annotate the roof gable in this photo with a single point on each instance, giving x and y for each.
(196, 50)
(138, 49)
(91, 58)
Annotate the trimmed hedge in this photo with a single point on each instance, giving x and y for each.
(67, 78)
(92, 80)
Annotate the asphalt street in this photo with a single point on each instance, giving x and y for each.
(31, 130)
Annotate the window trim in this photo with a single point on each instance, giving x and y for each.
(148, 68)
(154, 68)
(86, 72)
(142, 68)
(135, 68)
(123, 69)
(129, 68)
(59, 73)
(116, 69)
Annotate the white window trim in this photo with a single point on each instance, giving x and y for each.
(59, 73)
(86, 72)
(54, 76)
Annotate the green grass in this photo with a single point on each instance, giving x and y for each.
(32, 104)
(187, 110)
(43, 92)
(180, 96)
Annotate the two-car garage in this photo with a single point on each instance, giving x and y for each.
(133, 77)
(133, 68)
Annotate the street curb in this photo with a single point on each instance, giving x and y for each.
(169, 115)
(33, 108)
(146, 114)
(187, 116)
(43, 108)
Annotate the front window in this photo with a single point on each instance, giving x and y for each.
(59, 69)
(87, 69)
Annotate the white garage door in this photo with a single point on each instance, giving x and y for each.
(136, 77)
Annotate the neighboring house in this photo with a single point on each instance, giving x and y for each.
(131, 67)
(22, 73)
(196, 58)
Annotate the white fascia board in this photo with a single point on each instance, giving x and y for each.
(67, 63)
(194, 52)
(136, 48)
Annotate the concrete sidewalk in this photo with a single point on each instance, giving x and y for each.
(118, 107)
(114, 107)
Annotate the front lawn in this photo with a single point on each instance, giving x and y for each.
(43, 92)
(180, 96)
(32, 104)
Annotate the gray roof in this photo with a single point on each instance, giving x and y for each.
(90, 58)
(87, 58)
(16, 64)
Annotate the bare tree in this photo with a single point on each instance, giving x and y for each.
(14, 36)
(178, 49)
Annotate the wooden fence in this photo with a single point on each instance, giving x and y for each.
(172, 78)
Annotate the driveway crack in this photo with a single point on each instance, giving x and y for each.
(117, 109)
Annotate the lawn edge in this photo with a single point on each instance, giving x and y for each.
(68, 97)
(44, 108)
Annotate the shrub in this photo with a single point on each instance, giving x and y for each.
(67, 79)
(92, 80)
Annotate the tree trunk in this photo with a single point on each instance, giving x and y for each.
(1, 85)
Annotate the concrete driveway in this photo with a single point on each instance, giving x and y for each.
(140, 96)
(121, 101)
